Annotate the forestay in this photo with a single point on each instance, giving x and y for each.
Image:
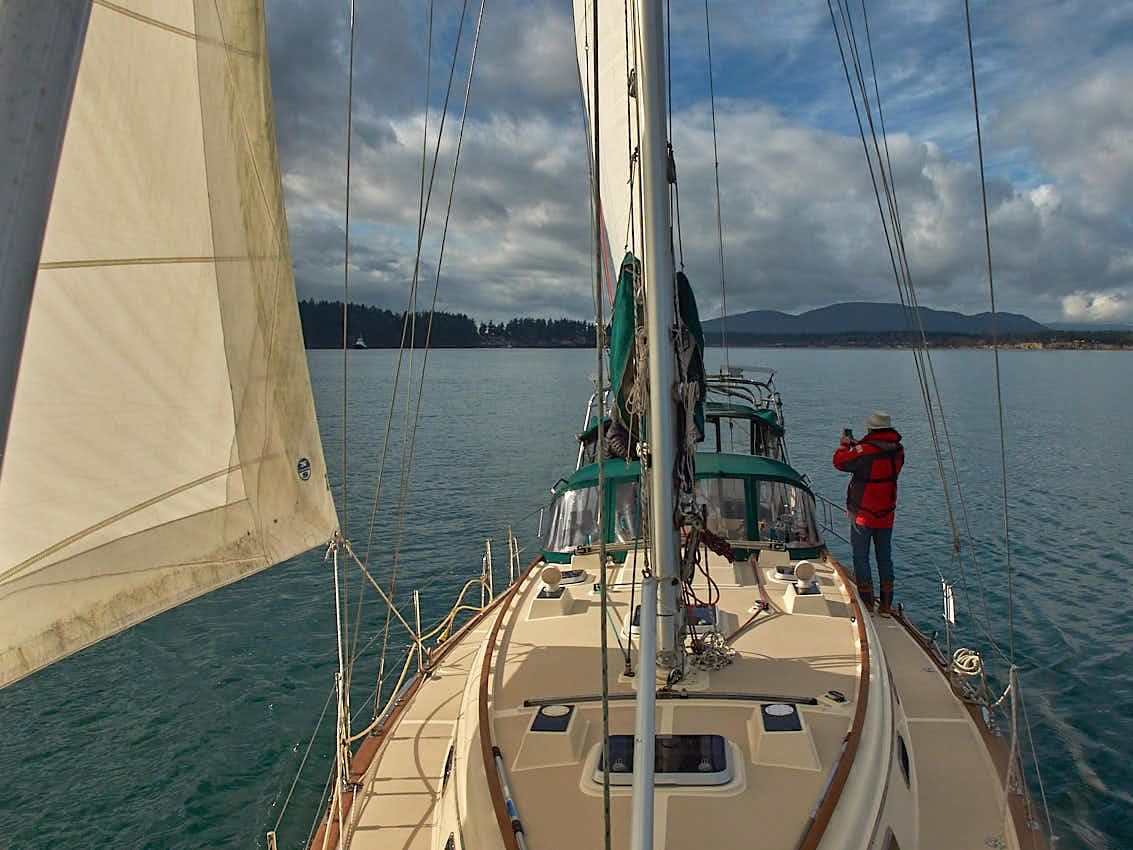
(617, 120)
(163, 440)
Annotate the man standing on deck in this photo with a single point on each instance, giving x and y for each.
(871, 500)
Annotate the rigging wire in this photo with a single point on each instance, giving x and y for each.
(633, 144)
(599, 333)
(303, 761)
(925, 369)
(410, 317)
(346, 263)
(994, 336)
(914, 309)
(719, 212)
(411, 432)
(907, 293)
(323, 803)
(899, 262)
(421, 217)
(343, 673)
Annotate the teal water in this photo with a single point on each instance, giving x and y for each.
(187, 730)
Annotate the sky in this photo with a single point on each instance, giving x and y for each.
(800, 221)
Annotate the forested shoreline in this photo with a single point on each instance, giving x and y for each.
(374, 327)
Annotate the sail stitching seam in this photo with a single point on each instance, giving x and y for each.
(146, 19)
(136, 261)
(79, 535)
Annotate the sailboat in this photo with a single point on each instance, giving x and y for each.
(685, 664)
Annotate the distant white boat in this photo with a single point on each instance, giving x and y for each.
(359, 342)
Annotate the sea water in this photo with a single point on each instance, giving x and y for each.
(186, 731)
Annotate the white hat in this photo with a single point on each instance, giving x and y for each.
(878, 420)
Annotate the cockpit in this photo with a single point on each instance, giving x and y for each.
(747, 499)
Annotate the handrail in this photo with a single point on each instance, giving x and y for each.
(826, 520)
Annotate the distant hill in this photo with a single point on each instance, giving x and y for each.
(1124, 327)
(871, 318)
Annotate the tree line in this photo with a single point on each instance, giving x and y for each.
(374, 327)
(1046, 339)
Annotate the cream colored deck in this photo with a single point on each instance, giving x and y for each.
(546, 651)
(395, 807)
(958, 787)
(778, 777)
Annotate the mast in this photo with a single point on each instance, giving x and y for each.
(657, 632)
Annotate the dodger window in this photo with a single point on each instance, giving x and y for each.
(727, 508)
(786, 513)
(574, 520)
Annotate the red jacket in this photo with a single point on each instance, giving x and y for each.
(875, 462)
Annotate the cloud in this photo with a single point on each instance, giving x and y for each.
(1097, 306)
(801, 225)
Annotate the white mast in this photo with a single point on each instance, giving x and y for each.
(659, 279)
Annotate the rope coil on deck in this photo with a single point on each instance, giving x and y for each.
(967, 662)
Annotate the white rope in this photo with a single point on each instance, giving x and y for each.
(967, 662)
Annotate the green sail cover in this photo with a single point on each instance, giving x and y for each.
(621, 339)
(623, 365)
(690, 316)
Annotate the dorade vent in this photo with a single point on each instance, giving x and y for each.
(678, 760)
(552, 718)
(552, 600)
(803, 595)
(804, 578)
(552, 583)
(903, 758)
(781, 717)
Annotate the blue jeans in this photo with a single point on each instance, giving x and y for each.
(882, 538)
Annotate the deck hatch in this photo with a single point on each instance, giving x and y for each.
(552, 718)
(678, 760)
(781, 717)
(701, 615)
(695, 615)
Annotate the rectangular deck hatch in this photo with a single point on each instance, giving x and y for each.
(678, 760)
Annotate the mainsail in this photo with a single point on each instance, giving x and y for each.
(617, 122)
(163, 440)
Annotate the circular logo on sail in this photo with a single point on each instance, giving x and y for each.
(304, 469)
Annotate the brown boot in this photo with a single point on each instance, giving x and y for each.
(886, 602)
